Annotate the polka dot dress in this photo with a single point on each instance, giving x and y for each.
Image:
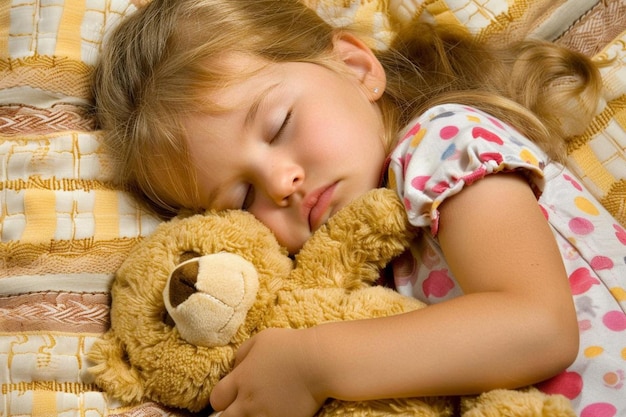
(452, 146)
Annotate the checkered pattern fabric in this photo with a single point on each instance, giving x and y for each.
(64, 227)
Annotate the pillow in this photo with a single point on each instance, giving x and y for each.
(64, 227)
(372, 16)
(598, 156)
(508, 20)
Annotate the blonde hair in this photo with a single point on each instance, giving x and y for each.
(160, 62)
(547, 92)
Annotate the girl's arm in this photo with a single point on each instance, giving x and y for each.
(515, 325)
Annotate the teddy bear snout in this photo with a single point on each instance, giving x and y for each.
(208, 297)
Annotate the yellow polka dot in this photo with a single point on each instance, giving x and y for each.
(619, 293)
(417, 138)
(391, 180)
(624, 354)
(474, 119)
(529, 157)
(586, 206)
(593, 351)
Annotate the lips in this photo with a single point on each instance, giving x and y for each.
(316, 204)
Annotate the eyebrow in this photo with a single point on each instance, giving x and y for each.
(256, 104)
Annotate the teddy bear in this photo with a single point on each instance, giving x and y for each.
(191, 293)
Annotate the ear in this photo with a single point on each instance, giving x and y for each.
(362, 62)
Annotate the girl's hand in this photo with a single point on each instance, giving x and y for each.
(273, 376)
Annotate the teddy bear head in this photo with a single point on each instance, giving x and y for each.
(143, 356)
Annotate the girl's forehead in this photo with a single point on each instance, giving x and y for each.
(238, 78)
(230, 103)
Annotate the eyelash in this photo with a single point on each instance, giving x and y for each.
(248, 198)
(283, 126)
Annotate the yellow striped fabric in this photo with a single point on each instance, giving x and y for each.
(598, 156)
(64, 227)
(508, 20)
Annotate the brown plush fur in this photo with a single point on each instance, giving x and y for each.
(142, 357)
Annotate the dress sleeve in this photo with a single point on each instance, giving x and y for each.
(451, 146)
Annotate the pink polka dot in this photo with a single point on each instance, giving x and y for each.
(599, 410)
(448, 132)
(489, 136)
(544, 211)
(419, 182)
(615, 320)
(580, 281)
(438, 284)
(569, 384)
(581, 226)
(491, 156)
(413, 131)
(440, 187)
(407, 204)
(406, 161)
(601, 262)
(573, 182)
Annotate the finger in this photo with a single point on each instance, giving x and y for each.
(224, 394)
(243, 351)
(232, 411)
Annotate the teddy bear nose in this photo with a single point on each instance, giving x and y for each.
(208, 297)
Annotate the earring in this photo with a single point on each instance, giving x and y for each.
(376, 90)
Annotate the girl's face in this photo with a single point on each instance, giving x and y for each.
(298, 142)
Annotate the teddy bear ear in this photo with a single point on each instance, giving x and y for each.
(111, 372)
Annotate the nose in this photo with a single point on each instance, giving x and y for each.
(282, 181)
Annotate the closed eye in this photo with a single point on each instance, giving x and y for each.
(250, 192)
(248, 199)
(283, 126)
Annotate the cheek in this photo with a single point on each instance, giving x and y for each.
(333, 137)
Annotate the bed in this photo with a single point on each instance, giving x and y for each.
(65, 228)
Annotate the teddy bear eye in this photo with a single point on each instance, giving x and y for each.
(184, 278)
